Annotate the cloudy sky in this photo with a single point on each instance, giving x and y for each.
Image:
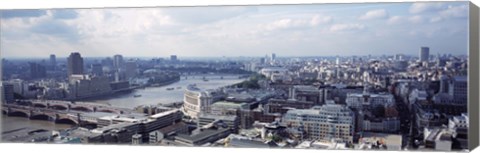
(287, 30)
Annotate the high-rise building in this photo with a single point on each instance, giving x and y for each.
(97, 69)
(118, 62)
(108, 62)
(173, 58)
(37, 71)
(84, 86)
(7, 92)
(130, 69)
(75, 64)
(53, 62)
(424, 54)
(459, 89)
(262, 60)
(273, 57)
(327, 122)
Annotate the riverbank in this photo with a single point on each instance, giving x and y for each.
(128, 100)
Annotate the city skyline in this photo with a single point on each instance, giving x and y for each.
(287, 30)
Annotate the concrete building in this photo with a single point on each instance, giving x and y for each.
(459, 89)
(204, 137)
(75, 64)
(118, 62)
(84, 86)
(390, 141)
(207, 121)
(306, 93)
(97, 69)
(424, 54)
(385, 125)
(459, 126)
(53, 62)
(328, 122)
(168, 132)
(366, 100)
(282, 106)
(270, 71)
(458, 122)
(196, 101)
(438, 138)
(173, 58)
(7, 93)
(37, 71)
(227, 108)
(130, 69)
(137, 139)
(426, 116)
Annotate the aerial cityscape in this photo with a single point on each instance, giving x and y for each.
(395, 78)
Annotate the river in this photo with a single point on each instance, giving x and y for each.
(149, 96)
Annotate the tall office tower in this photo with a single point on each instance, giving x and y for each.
(118, 62)
(424, 54)
(272, 58)
(337, 61)
(97, 69)
(130, 69)
(53, 62)
(7, 91)
(459, 89)
(173, 58)
(37, 71)
(262, 60)
(108, 62)
(75, 64)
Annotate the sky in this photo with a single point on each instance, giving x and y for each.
(216, 31)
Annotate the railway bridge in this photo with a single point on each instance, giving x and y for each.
(59, 111)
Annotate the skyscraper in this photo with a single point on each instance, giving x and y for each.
(173, 58)
(37, 71)
(118, 62)
(7, 91)
(424, 54)
(53, 62)
(130, 69)
(75, 64)
(97, 69)
(272, 58)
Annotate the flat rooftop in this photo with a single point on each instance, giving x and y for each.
(202, 135)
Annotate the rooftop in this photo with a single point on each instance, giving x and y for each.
(219, 117)
(202, 135)
(229, 104)
(155, 116)
(112, 127)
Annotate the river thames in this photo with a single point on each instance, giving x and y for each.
(146, 96)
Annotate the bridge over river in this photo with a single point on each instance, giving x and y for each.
(60, 111)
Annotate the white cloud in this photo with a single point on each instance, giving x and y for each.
(298, 22)
(422, 7)
(317, 19)
(396, 20)
(154, 32)
(436, 19)
(346, 27)
(460, 11)
(416, 19)
(374, 14)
